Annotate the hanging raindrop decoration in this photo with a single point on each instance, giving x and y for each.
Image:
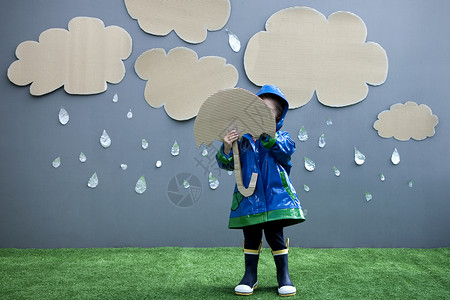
(306, 188)
(368, 196)
(144, 144)
(205, 152)
(410, 183)
(158, 164)
(141, 185)
(130, 114)
(175, 149)
(186, 184)
(322, 141)
(213, 181)
(302, 134)
(233, 41)
(105, 140)
(82, 157)
(124, 166)
(56, 162)
(115, 98)
(359, 157)
(329, 122)
(309, 164)
(93, 181)
(382, 178)
(395, 158)
(63, 116)
(336, 171)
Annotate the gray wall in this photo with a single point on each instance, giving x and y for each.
(43, 207)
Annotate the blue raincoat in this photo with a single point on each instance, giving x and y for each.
(274, 198)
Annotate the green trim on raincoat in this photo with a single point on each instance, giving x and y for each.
(286, 185)
(294, 216)
(269, 141)
(225, 158)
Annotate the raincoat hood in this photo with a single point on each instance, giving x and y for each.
(271, 89)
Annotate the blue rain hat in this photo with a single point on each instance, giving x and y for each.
(271, 89)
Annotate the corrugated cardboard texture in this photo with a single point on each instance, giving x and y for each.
(236, 109)
(180, 81)
(83, 59)
(230, 109)
(405, 121)
(302, 52)
(190, 19)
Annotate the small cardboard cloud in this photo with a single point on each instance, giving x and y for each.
(190, 19)
(83, 58)
(405, 121)
(302, 52)
(180, 81)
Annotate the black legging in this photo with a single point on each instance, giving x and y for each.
(272, 231)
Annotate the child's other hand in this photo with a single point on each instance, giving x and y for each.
(228, 140)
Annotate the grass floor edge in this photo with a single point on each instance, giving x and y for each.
(210, 273)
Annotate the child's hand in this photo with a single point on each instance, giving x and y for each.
(228, 141)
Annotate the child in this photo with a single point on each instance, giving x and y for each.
(274, 204)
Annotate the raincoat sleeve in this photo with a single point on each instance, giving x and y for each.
(282, 146)
(225, 161)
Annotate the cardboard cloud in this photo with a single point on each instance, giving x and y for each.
(83, 58)
(302, 52)
(180, 81)
(190, 19)
(405, 121)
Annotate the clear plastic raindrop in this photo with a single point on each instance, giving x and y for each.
(410, 183)
(306, 188)
(322, 141)
(336, 171)
(186, 184)
(144, 144)
(105, 140)
(175, 149)
(63, 116)
(230, 173)
(233, 40)
(368, 196)
(158, 164)
(115, 98)
(302, 134)
(93, 181)
(124, 166)
(382, 178)
(130, 114)
(213, 182)
(309, 164)
(359, 157)
(141, 185)
(82, 157)
(329, 122)
(56, 162)
(205, 152)
(395, 157)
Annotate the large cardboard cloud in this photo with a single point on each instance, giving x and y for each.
(180, 81)
(190, 19)
(405, 121)
(83, 58)
(302, 52)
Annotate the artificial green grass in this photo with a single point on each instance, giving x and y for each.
(212, 273)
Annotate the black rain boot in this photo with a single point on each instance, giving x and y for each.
(285, 285)
(250, 280)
